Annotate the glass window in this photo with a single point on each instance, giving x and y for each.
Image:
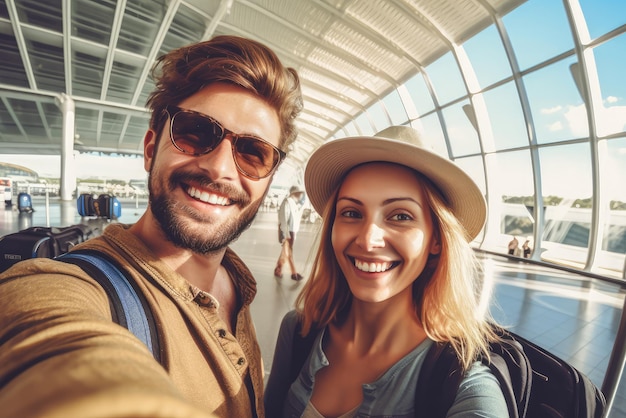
(556, 105)
(446, 79)
(603, 16)
(416, 86)
(511, 198)
(378, 116)
(567, 191)
(505, 117)
(350, 129)
(488, 58)
(473, 166)
(365, 127)
(461, 132)
(395, 108)
(538, 31)
(430, 128)
(611, 118)
(613, 173)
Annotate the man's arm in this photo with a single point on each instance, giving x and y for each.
(62, 355)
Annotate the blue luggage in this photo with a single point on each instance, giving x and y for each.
(24, 203)
(84, 204)
(107, 206)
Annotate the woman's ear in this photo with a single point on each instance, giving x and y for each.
(435, 246)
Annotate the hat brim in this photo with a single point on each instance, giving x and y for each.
(329, 164)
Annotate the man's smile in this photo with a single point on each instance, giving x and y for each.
(208, 197)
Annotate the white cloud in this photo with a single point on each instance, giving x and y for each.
(576, 117)
(551, 110)
(556, 126)
(612, 99)
(609, 120)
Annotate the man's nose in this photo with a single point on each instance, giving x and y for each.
(220, 162)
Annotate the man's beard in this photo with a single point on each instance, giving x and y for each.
(177, 220)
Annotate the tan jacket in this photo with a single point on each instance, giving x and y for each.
(62, 356)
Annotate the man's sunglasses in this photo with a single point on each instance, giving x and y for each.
(197, 134)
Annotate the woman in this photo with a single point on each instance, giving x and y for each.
(393, 273)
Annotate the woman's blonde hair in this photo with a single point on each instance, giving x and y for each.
(446, 294)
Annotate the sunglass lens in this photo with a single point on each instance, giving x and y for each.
(193, 134)
(255, 157)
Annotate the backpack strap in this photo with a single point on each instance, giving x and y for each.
(441, 375)
(512, 368)
(291, 360)
(129, 307)
(301, 348)
(438, 381)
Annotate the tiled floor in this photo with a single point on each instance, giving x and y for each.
(573, 316)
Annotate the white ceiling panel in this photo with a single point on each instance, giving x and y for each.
(349, 54)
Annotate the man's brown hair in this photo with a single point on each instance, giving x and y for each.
(227, 59)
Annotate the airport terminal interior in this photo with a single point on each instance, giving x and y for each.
(527, 96)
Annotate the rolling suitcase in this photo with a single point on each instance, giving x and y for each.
(24, 203)
(40, 242)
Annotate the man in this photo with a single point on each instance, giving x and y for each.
(222, 112)
(289, 216)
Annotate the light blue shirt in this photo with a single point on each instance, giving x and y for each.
(393, 394)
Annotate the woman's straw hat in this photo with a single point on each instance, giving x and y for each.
(403, 145)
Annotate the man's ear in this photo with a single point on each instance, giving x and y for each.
(149, 148)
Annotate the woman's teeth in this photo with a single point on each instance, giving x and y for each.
(372, 267)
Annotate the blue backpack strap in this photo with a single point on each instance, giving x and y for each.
(128, 306)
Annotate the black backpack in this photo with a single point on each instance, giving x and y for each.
(535, 382)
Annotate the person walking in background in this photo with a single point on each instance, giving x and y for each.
(526, 248)
(393, 274)
(289, 217)
(223, 114)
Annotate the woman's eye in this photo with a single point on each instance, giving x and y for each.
(401, 217)
(350, 214)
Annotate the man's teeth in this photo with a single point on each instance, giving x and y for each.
(208, 197)
(371, 267)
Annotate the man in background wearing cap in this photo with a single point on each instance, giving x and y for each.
(289, 215)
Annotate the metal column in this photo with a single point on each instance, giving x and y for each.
(68, 165)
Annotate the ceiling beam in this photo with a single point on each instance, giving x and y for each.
(67, 45)
(156, 46)
(21, 43)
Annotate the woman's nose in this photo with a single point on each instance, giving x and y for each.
(371, 236)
